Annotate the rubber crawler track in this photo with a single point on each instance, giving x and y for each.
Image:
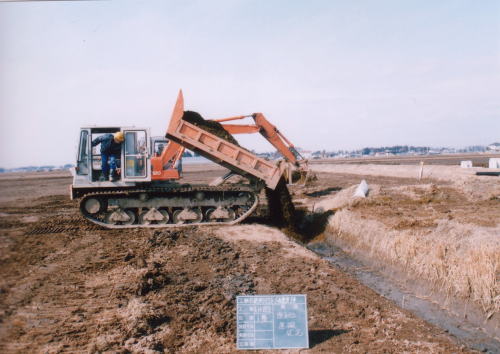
(175, 190)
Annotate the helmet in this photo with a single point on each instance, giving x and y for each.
(119, 137)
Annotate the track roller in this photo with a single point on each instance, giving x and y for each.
(220, 214)
(120, 217)
(187, 216)
(154, 216)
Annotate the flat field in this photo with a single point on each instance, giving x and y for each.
(477, 159)
(69, 286)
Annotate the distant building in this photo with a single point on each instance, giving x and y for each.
(448, 151)
(494, 147)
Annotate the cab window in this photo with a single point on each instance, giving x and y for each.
(83, 154)
(135, 154)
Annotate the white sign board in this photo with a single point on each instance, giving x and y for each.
(271, 322)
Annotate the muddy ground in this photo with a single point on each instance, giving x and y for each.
(68, 286)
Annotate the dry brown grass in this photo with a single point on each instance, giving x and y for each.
(460, 259)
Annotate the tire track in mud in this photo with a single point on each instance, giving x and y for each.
(46, 215)
(53, 226)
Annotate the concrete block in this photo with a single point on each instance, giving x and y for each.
(466, 164)
(362, 189)
(494, 162)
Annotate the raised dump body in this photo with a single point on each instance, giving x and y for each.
(220, 151)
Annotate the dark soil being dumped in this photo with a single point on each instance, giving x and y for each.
(209, 125)
(281, 208)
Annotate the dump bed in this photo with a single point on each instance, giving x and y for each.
(220, 151)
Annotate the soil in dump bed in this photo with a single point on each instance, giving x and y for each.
(209, 125)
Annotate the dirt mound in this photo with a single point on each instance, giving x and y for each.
(172, 291)
(209, 125)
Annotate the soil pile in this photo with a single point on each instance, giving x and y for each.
(181, 289)
(209, 125)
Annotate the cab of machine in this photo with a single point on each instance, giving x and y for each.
(133, 164)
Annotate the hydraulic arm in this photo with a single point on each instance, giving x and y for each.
(268, 131)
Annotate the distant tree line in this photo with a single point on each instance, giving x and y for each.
(397, 149)
(400, 150)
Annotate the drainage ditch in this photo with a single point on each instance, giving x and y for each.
(464, 325)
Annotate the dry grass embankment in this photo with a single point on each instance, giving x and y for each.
(435, 232)
(459, 259)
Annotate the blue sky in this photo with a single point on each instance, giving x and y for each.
(330, 74)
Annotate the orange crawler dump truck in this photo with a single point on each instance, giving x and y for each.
(148, 192)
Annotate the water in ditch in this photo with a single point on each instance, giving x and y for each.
(466, 332)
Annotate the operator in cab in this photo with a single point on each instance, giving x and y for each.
(111, 145)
